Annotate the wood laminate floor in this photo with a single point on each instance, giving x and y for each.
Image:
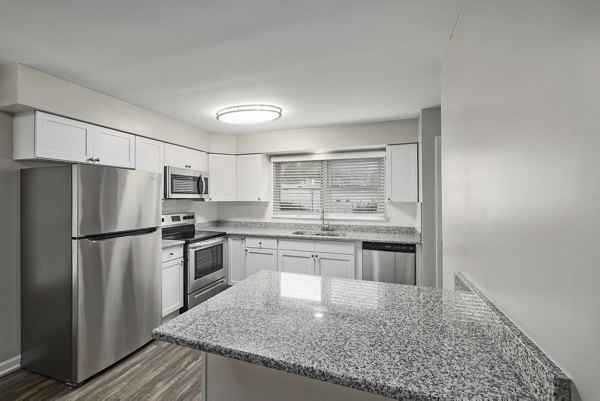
(159, 371)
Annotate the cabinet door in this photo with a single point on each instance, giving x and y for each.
(149, 155)
(172, 286)
(252, 178)
(260, 259)
(296, 262)
(402, 173)
(61, 138)
(197, 159)
(221, 177)
(175, 156)
(335, 265)
(237, 256)
(112, 148)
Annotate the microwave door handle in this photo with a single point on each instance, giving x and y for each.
(205, 189)
(200, 185)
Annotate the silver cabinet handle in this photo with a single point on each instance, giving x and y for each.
(90, 159)
(246, 251)
(188, 166)
(171, 253)
(97, 159)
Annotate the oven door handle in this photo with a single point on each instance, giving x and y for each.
(206, 244)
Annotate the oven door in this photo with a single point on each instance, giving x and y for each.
(182, 183)
(206, 263)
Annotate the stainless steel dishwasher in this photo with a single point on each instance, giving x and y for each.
(390, 263)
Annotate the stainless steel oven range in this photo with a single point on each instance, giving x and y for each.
(205, 258)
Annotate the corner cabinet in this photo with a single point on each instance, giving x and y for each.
(253, 174)
(402, 173)
(39, 135)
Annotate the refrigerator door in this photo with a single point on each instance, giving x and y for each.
(118, 298)
(108, 199)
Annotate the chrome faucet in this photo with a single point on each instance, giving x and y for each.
(324, 227)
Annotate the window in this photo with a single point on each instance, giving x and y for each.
(344, 187)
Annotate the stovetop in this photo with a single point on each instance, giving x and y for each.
(190, 236)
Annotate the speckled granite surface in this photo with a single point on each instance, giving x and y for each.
(371, 233)
(402, 342)
(544, 379)
(168, 243)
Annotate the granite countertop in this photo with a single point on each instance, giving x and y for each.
(168, 243)
(386, 234)
(401, 342)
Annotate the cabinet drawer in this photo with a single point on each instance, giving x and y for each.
(261, 242)
(172, 253)
(297, 245)
(341, 247)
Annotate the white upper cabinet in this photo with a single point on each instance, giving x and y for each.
(402, 176)
(149, 155)
(46, 136)
(179, 156)
(253, 177)
(175, 156)
(222, 177)
(112, 148)
(197, 159)
(61, 138)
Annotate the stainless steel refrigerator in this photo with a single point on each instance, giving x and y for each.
(90, 267)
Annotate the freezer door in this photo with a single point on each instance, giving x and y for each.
(118, 285)
(109, 199)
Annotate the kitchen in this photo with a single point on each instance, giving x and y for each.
(286, 244)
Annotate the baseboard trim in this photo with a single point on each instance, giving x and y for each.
(10, 365)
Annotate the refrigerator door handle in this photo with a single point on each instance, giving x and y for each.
(122, 234)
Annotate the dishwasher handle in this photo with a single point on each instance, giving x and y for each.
(387, 247)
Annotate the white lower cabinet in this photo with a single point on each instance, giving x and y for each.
(249, 255)
(335, 265)
(296, 262)
(172, 286)
(260, 259)
(237, 259)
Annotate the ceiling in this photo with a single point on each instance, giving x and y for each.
(324, 62)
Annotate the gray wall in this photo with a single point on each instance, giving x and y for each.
(10, 344)
(429, 128)
(521, 165)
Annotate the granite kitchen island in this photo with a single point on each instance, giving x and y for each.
(281, 336)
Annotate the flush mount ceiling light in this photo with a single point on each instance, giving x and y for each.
(249, 114)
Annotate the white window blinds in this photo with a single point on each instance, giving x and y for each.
(343, 187)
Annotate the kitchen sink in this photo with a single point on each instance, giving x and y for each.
(320, 233)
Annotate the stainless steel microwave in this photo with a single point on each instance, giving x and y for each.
(183, 183)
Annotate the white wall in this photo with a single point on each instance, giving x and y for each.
(521, 163)
(10, 251)
(39, 90)
(330, 138)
